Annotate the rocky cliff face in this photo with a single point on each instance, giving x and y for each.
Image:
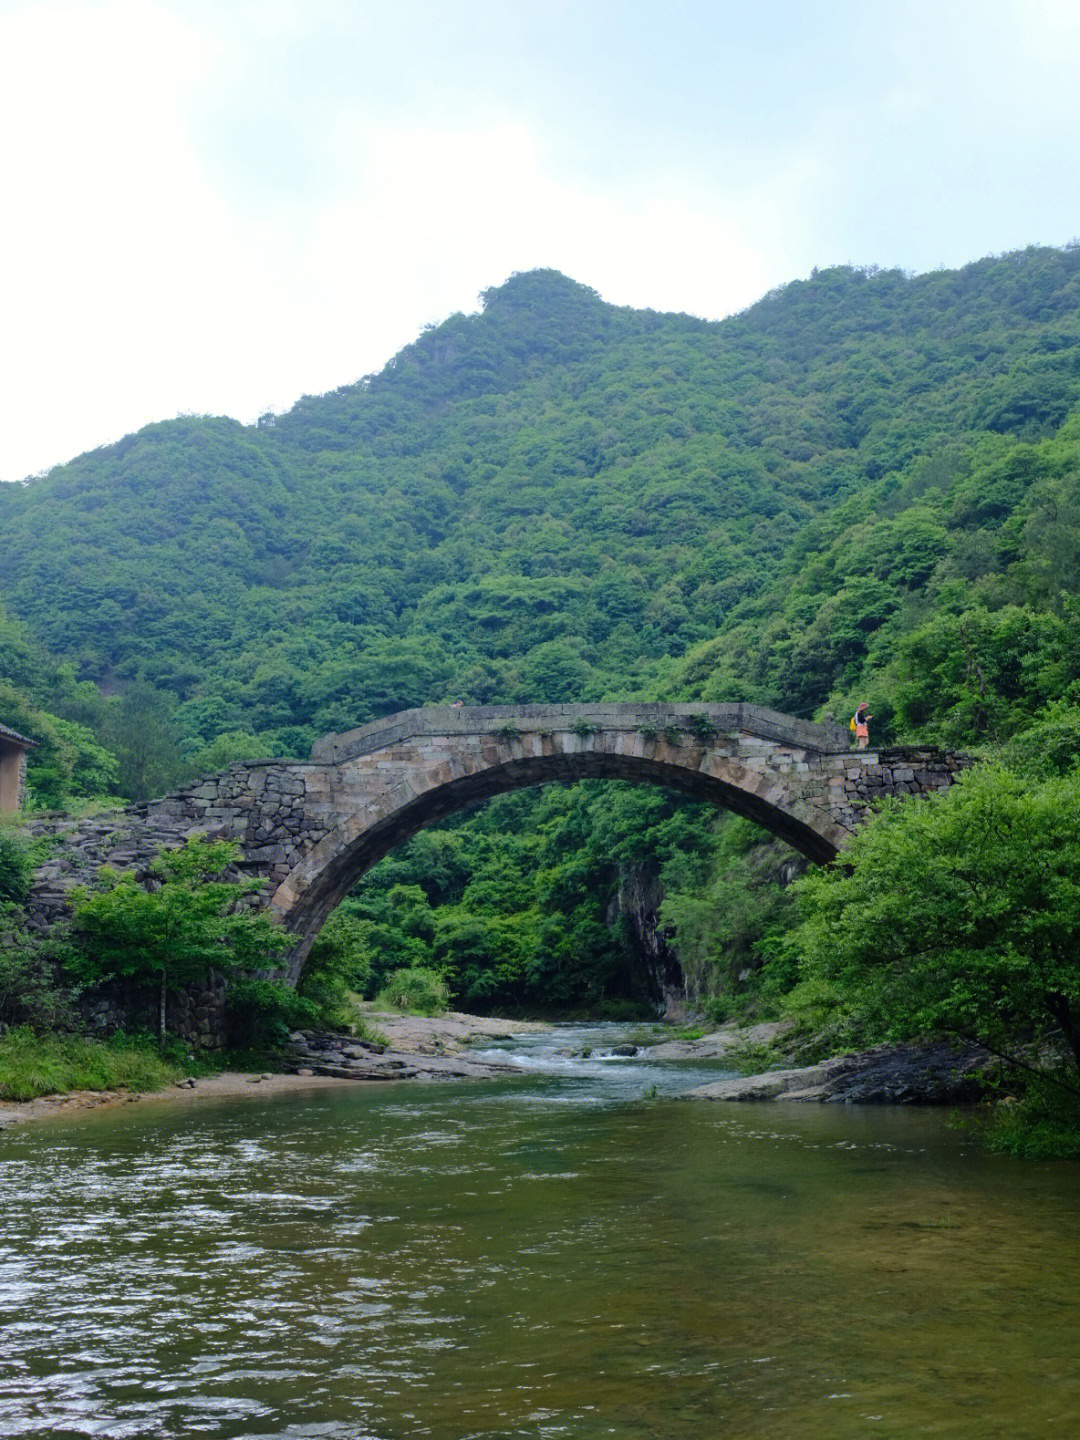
(637, 903)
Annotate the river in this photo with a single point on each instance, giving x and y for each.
(576, 1253)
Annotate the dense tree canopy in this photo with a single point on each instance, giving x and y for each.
(959, 916)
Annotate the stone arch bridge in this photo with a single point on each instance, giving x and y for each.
(310, 828)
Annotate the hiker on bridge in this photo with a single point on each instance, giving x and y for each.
(860, 723)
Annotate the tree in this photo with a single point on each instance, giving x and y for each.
(142, 735)
(172, 934)
(959, 915)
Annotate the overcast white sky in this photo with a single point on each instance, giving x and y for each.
(217, 207)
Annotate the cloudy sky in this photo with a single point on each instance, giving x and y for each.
(218, 207)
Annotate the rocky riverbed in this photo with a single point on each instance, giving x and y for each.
(417, 1048)
(448, 1047)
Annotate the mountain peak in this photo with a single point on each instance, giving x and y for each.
(538, 289)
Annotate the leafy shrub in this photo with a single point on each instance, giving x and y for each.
(339, 967)
(701, 726)
(1049, 746)
(959, 915)
(584, 728)
(262, 1012)
(417, 989)
(31, 992)
(172, 935)
(1042, 1122)
(16, 864)
(717, 1008)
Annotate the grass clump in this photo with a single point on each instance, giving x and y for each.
(417, 990)
(33, 1065)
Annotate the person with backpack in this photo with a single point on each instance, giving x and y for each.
(860, 724)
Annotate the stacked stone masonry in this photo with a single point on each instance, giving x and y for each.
(309, 829)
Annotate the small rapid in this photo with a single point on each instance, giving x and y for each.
(602, 1062)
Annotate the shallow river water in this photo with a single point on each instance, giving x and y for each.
(564, 1255)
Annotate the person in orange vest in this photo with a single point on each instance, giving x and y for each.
(860, 724)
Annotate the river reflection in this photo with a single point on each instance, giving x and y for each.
(550, 1256)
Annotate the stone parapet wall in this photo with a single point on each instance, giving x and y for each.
(451, 720)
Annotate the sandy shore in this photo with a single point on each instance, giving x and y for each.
(17, 1112)
(409, 1036)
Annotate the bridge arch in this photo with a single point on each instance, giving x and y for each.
(389, 780)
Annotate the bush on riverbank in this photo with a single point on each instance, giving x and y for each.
(1040, 1122)
(960, 917)
(171, 935)
(263, 1012)
(33, 1065)
(420, 991)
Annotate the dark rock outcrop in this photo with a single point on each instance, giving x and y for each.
(637, 902)
(925, 1073)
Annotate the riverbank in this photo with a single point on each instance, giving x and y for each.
(418, 1047)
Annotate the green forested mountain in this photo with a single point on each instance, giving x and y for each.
(865, 486)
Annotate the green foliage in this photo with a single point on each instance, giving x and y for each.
(32, 992)
(418, 990)
(17, 860)
(33, 1065)
(1041, 1123)
(340, 967)
(584, 728)
(1049, 746)
(513, 904)
(261, 1012)
(959, 915)
(700, 726)
(633, 505)
(224, 750)
(68, 761)
(173, 934)
(729, 909)
(142, 734)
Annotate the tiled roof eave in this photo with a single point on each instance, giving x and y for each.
(6, 733)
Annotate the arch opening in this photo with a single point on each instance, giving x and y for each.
(406, 814)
